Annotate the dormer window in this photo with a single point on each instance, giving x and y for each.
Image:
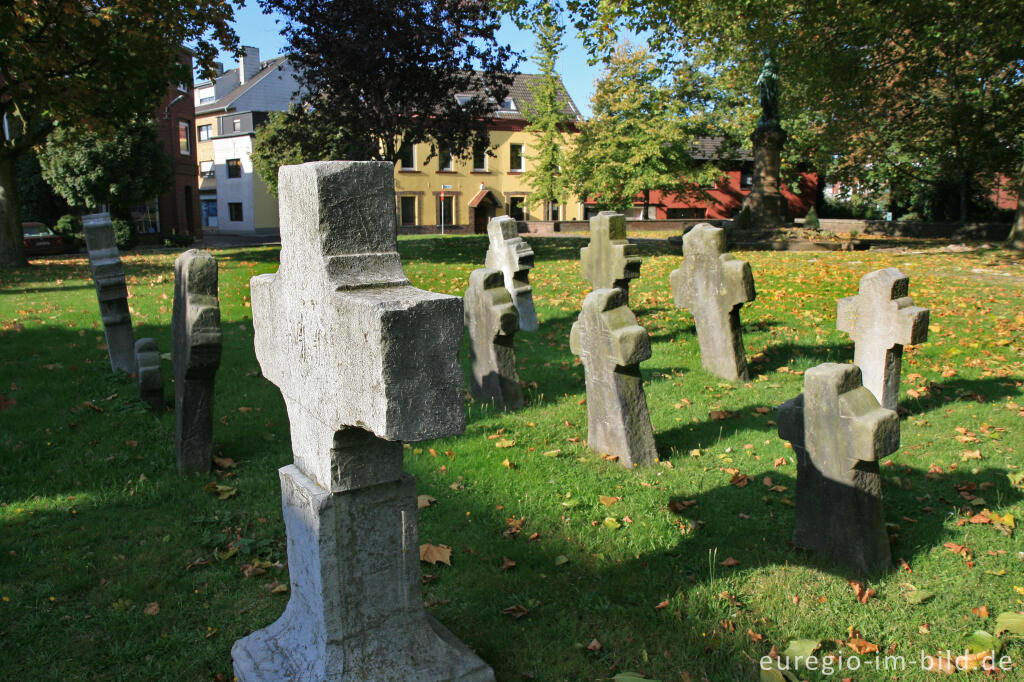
(463, 100)
(509, 104)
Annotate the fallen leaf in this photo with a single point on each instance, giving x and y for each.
(781, 461)
(980, 611)
(754, 636)
(861, 646)
(152, 608)
(1010, 622)
(561, 559)
(659, 606)
(224, 462)
(801, 648)
(611, 522)
(276, 587)
(222, 492)
(719, 415)
(507, 563)
(507, 463)
(862, 592)
(919, 596)
(739, 480)
(609, 501)
(250, 571)
(517, 611)
(424, 501)
(433, 554)
(594, 645)
(504, 443)
(729, 562)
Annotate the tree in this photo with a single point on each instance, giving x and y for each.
(293, 137)
(388, 72)
(91, 64)
(888, 94)
(638, 139)
(547, 117)
(88, 168)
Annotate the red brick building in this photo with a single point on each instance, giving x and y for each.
(177, 210)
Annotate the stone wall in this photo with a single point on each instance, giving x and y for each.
(989, 231)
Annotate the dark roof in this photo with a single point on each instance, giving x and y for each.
(221, 104)
(521, 94)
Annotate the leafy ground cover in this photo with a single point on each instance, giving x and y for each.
(563, 566)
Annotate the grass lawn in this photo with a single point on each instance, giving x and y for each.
(113, 567)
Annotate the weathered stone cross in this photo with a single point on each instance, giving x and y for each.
(509, 253)
(714, 285)
(111, 290)
(196, 347)
(492, 322)
(364, 361)
(881, 319)
(839, 432)
(610, 260)
(611, 346)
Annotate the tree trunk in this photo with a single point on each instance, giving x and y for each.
(12, 248)
(1016, 238)
(647, 203)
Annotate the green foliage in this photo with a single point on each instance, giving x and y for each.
(547, 117)
(125, 235)
(96, 65)
(387, 73)
(37, 200)
(69, 227)
(639, 138)
(119, 169)
(811, 221)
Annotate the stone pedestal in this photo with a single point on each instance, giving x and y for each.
(714, 285)
(765, 202)
(111, 290)
(492, 322)
(839, 433)
(149, 376)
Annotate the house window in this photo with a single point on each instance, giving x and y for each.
(516, 164)
(407, 210)
(683, 213)
(184, 138)
(236, 124)
(508, 104)
(445, 211)
(463, 100)
(480, 159)
(208, 208)
(234, 168)
(235, 212)
(746, 179)
(554, 212)
(444, 159)
(204, 132)
(407, 157)
(516, 208)
(206, 169)
(206, 100)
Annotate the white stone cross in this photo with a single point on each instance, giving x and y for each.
(364, 361)
(881, 319)
(510, 253)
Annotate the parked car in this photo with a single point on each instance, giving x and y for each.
(40, 240)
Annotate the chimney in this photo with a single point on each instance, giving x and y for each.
(248, 64)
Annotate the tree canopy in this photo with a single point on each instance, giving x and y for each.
(387, 72)
(91, 64)
(89, 168)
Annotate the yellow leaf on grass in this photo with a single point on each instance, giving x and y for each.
(222, 492)
(424, 501)
(609, 501)
(436, 554)
(152, 608)
(504, 443)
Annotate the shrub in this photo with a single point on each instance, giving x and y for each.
(69, 227)
(179, 240)
(811, 220)
(125, 235)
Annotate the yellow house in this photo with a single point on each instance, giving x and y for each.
(462, 194)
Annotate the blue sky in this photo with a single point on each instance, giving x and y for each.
(260, 30)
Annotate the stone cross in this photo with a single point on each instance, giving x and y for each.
(714, 285)
(149, 376)
(611, 346)
(111, 290)
(492, 322)
(196, 348)
(364, 361)
(610, 260)
(881, 319)
(509, 253)
(839, 432)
